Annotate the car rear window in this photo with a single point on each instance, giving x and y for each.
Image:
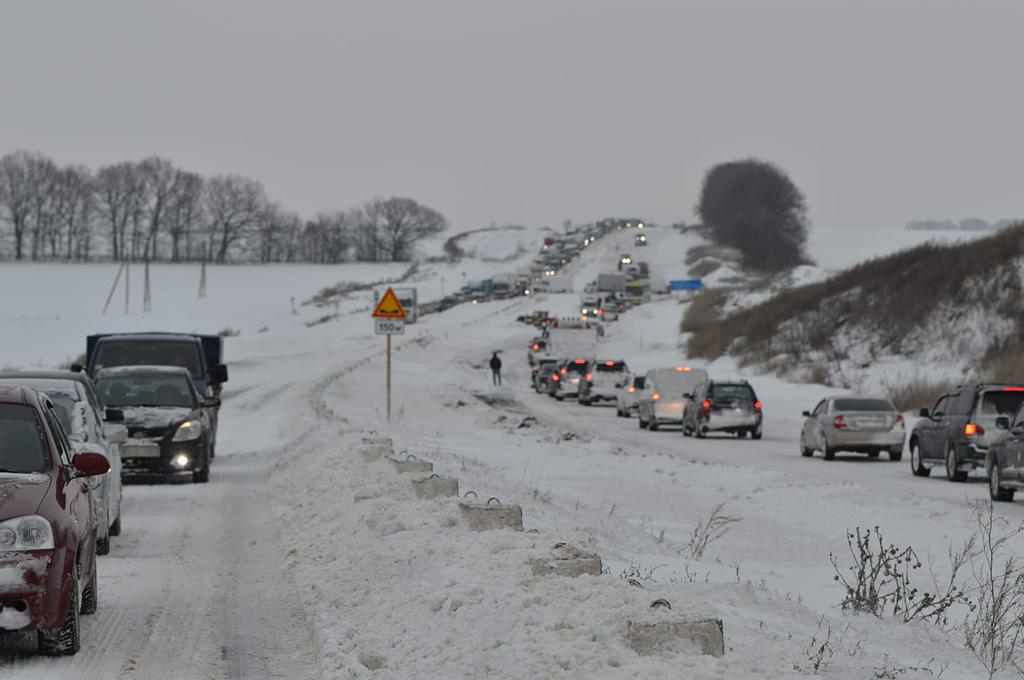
(574, 367)
(639, 382)
(732, 392)
(112, 353)
(21, 440)
(611, 366)
(864, 405)
(1001, 402)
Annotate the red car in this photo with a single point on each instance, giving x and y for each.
(47, 523)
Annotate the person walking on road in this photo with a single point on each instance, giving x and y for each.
(495, 369)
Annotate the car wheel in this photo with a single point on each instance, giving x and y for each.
(559, 397)
(585, 402)
(873, 454)
(828, 452)
(653, 426)
(103, 546)
(699, 431)
(202, 475)
(896, 455)
(90, 594)
(115, 528)
(756, 434)
(995, 491)
(916, 465)
(804, 451)
(65, 640)
(742, 434)
(641, 423)
(952, 473)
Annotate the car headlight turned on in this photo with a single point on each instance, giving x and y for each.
(180, 461)
(188, 431)
(30, 532)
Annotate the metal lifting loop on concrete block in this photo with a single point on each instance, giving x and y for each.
(434, 476)
(495, 499)
(409, 456)
(466, 495)
(661, 602)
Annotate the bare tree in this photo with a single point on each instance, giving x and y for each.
(22, 176)
(118, 195)
(75, 203)
(162, 184)
(275, 229)
(400, 223)
(234, 207)
(184, 213)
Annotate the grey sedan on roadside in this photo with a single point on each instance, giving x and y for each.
(855, 424)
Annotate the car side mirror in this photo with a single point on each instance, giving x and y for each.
(113, 415)
(923, 413)
(219, 374)
(688, 395)
(1003, 423)
(806, 414)
(90, 461)
(77, 368)
(212, 402)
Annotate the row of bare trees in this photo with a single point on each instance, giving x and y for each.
(152, 210)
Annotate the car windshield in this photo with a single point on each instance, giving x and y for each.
(864, 405)
(146, 389)
(21, 440)
(732, 392)
(112, 353)
(1001, 402)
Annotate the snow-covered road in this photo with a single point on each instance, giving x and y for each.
(193, 589)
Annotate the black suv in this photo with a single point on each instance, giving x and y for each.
(729, 406)
(1005, 466)
(959, 429)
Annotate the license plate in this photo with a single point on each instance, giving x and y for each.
(141, 451)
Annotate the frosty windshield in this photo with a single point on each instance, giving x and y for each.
(140, 389)
(21, 440)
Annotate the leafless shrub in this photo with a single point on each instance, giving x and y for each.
(818, 652)
(710, 530)
(1004, 363)
(704, 267)
(880, 581)
(994, 628)
(918, 393)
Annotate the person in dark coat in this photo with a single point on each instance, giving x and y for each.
(495, 369)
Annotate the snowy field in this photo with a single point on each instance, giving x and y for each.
(206, 581)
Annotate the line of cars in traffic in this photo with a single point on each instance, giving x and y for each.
(142, 404)
(975, 426)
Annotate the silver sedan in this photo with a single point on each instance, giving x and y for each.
(854, 424)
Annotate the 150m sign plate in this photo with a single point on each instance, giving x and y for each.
(389, 326)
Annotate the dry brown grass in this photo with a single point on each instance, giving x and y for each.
(1005, 363)
(704, 267)
(920, 393)
(894, 294)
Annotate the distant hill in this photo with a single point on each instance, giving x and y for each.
(970, 224)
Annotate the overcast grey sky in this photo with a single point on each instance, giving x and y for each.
(535, 110)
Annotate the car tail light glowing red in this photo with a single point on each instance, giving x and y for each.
(536, 347)
(839, 422)
(706, 406)
(590, 376)
(758, 405)
(1013, 389)
(631, 389)
(581, 361)
(655, 396)
(899, 420)
(564, 371)
(973, 430)
(609, 363)
(555, 377)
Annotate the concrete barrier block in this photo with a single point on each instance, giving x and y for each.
(566, 560)
(686, 636)
(412, 464)
(491, 515)
(374, 452)
(435, 487)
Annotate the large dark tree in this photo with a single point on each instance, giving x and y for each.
(754, 207)
(399, 224)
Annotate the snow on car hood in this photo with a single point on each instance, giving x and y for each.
(21, 494)
(154, 417)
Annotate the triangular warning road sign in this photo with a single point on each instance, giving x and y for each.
(389, 307)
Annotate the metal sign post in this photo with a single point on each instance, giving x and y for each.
(388, 320)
